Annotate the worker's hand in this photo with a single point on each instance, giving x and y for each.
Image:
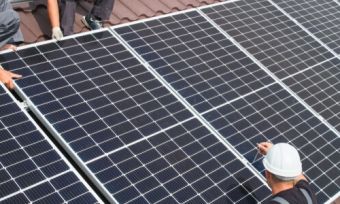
(264, 147)
(7, 77)
(9, 47)
(57, 34)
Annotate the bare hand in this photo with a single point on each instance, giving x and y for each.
(9, 47)
(264, 147)
(6, 78)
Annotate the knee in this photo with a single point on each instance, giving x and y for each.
(15, 17)
(10, 23)
(10, 19)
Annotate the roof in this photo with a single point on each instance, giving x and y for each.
(35, 25)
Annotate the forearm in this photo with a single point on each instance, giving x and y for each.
(53, 13)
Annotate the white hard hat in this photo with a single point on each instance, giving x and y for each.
(283, 160)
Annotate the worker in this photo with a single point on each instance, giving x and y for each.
(10, 36)
(101, 10)
(283, 171)
(10, 33)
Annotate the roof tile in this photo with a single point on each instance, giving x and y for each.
(156, 6)
(175, 5)
(114, 20)
(206, 2)
(123, 12)
(139, 8)
(191, 3)
(37, 26)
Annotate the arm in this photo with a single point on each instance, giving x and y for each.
(7, 77)
(53, 14)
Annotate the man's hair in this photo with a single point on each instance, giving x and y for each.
(282, 178)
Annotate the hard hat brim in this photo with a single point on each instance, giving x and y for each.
(288, 173)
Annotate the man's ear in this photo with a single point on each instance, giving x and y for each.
(268, 176)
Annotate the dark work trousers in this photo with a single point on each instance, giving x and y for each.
(101, 10)
(9, 24)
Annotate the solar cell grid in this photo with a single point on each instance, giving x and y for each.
(263, 112)
(270, 36)
(169, 166)
(97, 100)
(196, 59)
(319, 87)
(143, 145)
(321, 17)
(31, 170)
(273, 114)
(184, 164)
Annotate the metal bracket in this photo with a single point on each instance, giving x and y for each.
(24, 105)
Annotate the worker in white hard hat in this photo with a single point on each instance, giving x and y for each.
(283, 171)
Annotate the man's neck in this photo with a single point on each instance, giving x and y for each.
(281, 186)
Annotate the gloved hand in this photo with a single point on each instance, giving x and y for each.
(57, 34)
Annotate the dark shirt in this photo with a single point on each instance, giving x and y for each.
(294, 195)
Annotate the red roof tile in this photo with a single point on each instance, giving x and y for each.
(137, 7)
(191, 3)
(337, 201)
(36, 27)
(123, 12)
(157, 7)
(175, 5)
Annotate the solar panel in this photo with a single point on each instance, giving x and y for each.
(95, 96)
(177, 168)
(184, 164)
(272, 114)
(250, 110)
(31, 169)
(100, 98)
(320, 17)
(123, 120)
(319, 88)
(197, 60)
(270, 36)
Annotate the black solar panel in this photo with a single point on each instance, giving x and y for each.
(166, 45)
(273, 114)
(319, 87)
(31, 170)
(196, 59)
(138, 140)
(276, 41)
(184, 164)
(320, 17)
(98, 99)
(258, 112)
